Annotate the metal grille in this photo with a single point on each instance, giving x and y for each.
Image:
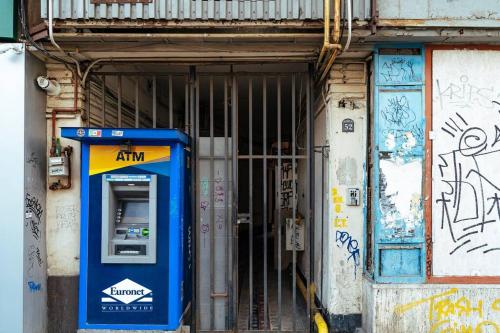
(251, 138)
(189, 10)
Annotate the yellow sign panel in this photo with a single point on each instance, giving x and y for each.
(107, 158)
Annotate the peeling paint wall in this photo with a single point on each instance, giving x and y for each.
(431, 308)
(63, 215)
(397, 151)
(445, 10)
(346, 137)
(466, 169)
(63, 207)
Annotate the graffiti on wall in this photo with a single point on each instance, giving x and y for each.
(466, 172)
(400, 142)
(398, 69)
(351, 245)
(452, 313)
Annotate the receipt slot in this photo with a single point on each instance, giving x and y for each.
(135, 269)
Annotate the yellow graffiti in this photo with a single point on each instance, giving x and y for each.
(446, 326)
(340, 222)
(338, 200)
(496, 305)
(443, 311)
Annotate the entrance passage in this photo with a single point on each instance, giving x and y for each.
(251, 132)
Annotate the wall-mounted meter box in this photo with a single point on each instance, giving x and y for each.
(135, 271)
(58, 166)
(8, 22)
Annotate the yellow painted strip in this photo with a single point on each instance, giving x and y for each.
(107, 158)
(321, 325)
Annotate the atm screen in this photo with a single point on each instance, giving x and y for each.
(135, 211)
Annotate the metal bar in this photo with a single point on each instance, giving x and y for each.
(211, 202)
(264, 192)
(278, 222)
(250, 197)
(226, 185)
(294, 212)
(186, 105)
(194, 194)
(310, 189)
(137, 103)
(271, 157)
(154, 102)
(196, 119)
(103, 101)
(170, 103)
(234, 254)
(119, 116)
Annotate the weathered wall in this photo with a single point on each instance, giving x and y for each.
(466, 172)
(470, 12)
(346, 169)
(63, 217)
(35, 175)
(394, 308)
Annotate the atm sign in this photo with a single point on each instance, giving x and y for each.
(130, 156)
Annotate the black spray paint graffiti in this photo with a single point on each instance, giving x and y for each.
(34, 258)
(398, 113)
(401, 123)
(287, 185)
(398, 70)
(344, 239)
(33, 215)
(470, 202)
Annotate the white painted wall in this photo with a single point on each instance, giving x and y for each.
(430, 308)
(346, 169)
(466, 168)
(23, 281)
(12, 190)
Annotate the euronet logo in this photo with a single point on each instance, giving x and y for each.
(126, 292)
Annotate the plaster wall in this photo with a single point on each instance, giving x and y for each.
(344, 227)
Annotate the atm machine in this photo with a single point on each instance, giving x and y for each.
(135, 270)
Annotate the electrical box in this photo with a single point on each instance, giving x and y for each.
(58, 166)
(353, 197)
(8, 22)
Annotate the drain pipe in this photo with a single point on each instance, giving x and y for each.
(53, 41)
(327, 46)
(336, 39)
(349, 25)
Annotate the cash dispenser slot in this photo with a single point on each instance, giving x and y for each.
(128, 219)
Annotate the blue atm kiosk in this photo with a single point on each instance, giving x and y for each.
(135, 270)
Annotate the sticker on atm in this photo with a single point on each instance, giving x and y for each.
(105, 158)
(96, 133)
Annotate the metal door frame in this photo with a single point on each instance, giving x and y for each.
(193, 126)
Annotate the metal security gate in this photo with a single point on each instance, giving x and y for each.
(252, 167)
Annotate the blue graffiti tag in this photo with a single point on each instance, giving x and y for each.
(343, 238)
(34, 287)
